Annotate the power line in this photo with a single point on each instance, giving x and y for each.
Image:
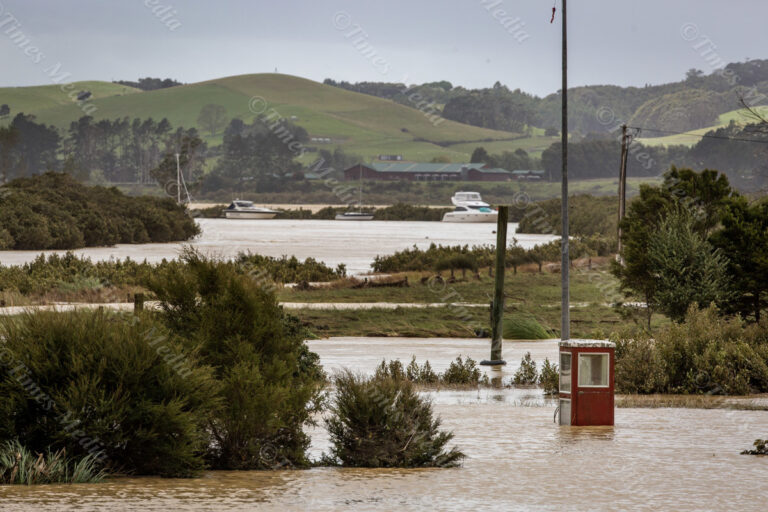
(705, 136)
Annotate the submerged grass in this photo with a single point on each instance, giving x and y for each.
(20, 466)
(448, 321)
(688, 402)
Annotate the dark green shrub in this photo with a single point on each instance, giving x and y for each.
(20, 466)
(403, 211)
(462, 372)
(393, 370)
(761, 448)
(638, 368)
(103, 384)
(382, 422)
(421, 374)
(705, 354)
(211, 212)
(54, 211)
(549, 379)
(268, 379)
(289, 270)
(526, 375)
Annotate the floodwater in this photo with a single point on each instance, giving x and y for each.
(355, 244)
(518, 459)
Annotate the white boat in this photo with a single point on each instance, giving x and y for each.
(470, 207)
(240, 209)
(354, 216)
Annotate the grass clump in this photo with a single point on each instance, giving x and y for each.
(20, 466)
(524, 327)
(382, 422)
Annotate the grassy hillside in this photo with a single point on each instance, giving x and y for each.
(359, 123)
(692, 137)
(53, 106)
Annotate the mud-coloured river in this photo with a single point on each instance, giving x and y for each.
(518, 459)
(355, 244)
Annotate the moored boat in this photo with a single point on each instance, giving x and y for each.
(240, 209)
(470, 207)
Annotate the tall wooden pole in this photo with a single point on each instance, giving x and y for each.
(565, 325)
(622, 182)
(497, 307)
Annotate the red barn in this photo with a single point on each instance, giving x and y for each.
(414, 171)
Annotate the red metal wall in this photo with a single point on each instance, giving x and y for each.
(589, 405)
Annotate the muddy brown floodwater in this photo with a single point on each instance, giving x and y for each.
(518, 459)
(355, 244)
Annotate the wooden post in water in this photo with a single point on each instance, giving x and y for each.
(497, 307)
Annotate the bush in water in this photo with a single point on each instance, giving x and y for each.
(268, 380)
(95, 383)
(383, 422)
(527, 374)
(705, 354)
(549, 379)
(761, 448)
(463, 372)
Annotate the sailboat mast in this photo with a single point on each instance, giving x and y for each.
(178, 180)
(360, 192)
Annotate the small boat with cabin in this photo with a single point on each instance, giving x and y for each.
(470, 207)
(240, 209)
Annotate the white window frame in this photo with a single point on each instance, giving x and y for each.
(578, 380)
(570, 377)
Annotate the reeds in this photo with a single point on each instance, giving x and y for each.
(20, 466)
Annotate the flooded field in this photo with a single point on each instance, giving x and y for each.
(518, 459)
(353, 243)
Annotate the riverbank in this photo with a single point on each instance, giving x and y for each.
(425, 308)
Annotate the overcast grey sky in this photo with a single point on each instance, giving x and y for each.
(468, 42)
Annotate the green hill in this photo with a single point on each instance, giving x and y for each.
(359, 123)
(689, 138)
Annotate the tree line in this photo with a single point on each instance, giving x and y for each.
(692, 103)
(695, 240)
(118, 151)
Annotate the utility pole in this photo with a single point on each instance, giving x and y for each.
(622, 183)
(565, 324)
(497, 306)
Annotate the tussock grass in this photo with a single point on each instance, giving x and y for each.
(20, 466)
